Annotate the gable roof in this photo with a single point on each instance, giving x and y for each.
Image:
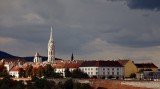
(101, 64)
(67, 65)
(123, 62)
(15, 68)
(146, 65)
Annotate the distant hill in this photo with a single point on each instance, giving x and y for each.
(6, 55)
(29, 59)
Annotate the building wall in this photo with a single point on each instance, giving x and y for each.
(62, 70)
(153, 69)
(129, 68)
(103, 71)
(14, 73)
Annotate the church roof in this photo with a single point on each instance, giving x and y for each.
(37, 54)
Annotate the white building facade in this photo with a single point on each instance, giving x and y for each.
(103, 68)
(37, 58)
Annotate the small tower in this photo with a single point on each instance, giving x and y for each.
(51, 48)
(72, 57)
(37, 58)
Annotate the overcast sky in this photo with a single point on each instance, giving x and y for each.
(91, 29)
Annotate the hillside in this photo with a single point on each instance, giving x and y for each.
(6, 55)
(29, 59)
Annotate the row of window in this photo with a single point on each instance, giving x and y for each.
(13, 73)
(97, 69)
(104, 73)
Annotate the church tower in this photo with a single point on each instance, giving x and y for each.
(51, 48)
(37, 58)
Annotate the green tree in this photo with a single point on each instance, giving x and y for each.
(85, 86)
(59, 85)
(132, 75)
(21, 72)
(3, 71)
(29, 71)
(77, 73)
(68, 84)
(48, 71)
(39, 71)
(67, 73)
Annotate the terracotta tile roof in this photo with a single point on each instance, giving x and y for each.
(35, 66)
(146, 65)
(14, 60)
(123, 62)
(101, 64)
(15, 68)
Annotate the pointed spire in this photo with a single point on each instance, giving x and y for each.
(51, 37)
(37, 54)
(72, 57)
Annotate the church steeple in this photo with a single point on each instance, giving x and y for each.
(51, 48)
(51, 37)
(72, 57)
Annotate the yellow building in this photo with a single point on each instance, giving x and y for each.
(129, 67)
(144, 66)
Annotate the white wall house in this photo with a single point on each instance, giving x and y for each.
(60, 67)
(102, 68)
(14, 72)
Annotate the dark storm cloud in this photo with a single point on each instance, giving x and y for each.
(144, 4)
(85, 27)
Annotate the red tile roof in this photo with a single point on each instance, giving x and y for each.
(15, 68)
(66, 65)
(101, 64)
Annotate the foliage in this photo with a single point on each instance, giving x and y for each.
(77, 73)
(68, 84)
(110, 77)
(49, 71)
(39, 83)
(67, 73)
(21, 72)
(28, 71)
(85, 86)
(3, 71)
(7, 83)
(132, 75)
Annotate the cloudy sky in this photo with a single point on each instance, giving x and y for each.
(91, 29)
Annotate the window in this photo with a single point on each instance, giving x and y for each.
(103, 68)
(117, 73)
(117, 68)
(96, 73)
(108, 68)
(96, 68)
(112, 68)
(85, 68)
(91, 69)
(103, 73)
(108, 73)
(88, 68)
(112, 73)
(91, 73)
